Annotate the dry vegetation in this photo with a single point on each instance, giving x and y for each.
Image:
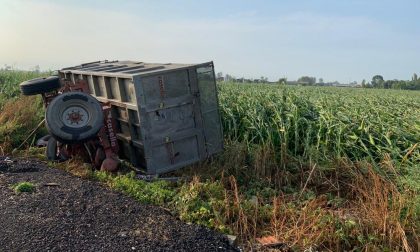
(349, 207)
(18, 118)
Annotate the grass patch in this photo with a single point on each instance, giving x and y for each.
(203, 203)
(158, 192)
(24, 187)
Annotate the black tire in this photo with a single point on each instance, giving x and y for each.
(51, 151)
(43, 141)
(74, 117)
(40, 85)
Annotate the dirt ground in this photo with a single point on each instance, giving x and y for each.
(66, 213)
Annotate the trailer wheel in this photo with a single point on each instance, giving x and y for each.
(51, 151)
(40, 85)
(43, 141)
(74, 117)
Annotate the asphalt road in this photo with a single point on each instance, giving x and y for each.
(67, 213)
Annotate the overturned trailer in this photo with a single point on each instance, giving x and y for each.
(161, 116)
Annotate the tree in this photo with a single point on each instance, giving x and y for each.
(283, 81)
(415, 77)
(321, 81)
(364, 83)
(229, 77)
(391, 83)
(377, 81)
(37, 69)
(263, 79)
(306, 80)
(219, 75)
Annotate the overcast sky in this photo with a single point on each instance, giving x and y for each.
(335, 40)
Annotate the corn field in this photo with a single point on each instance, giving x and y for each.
(322, 123)
(318, 123)
(9, 81)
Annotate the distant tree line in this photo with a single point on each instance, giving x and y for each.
(230, 78)
(379, 82)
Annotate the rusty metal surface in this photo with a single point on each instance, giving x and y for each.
(102, 151)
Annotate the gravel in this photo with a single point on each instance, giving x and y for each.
(66, 213)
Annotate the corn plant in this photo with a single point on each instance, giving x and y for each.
(324, 123)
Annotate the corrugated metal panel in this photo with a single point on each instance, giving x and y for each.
(209, 109)
(130, 68)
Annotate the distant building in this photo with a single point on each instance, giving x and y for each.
(341, 85)
(291, 82)
(304, 83)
